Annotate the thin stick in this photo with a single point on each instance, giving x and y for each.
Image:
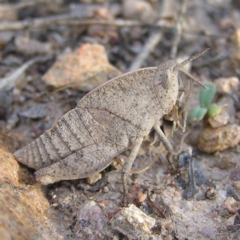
(153, 40)
(178, 28)
(70, 20)
(20, 5)
(9, 81)
(150, 44)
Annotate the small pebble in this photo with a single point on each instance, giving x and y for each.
(105, 189)
(211, 193)
(235, 174)
(236, 185)
(226, 163)
(219, 120)
(94, 178)
(133, 223)
(227, 85)
(219, 139)
(231, 205)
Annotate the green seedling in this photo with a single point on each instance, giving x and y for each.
(213, 110)
(205, 98)
(198, 113)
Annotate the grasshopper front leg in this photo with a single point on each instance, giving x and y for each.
(163, 138)
(128, 165)
(166, 143)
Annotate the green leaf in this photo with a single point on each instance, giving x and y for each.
(214, 110)
(198, 113)
(207, 95)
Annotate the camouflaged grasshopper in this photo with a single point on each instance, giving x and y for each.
(110, 119)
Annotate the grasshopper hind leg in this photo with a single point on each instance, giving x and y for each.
(79, 164)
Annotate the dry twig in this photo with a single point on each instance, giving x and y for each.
(70, 20)
(20, 5)
(151, 42)
(11, 79)
(178, 27)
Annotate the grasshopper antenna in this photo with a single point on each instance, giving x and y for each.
(191, 77)
(179, 66)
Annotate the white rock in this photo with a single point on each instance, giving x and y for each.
(132, 222)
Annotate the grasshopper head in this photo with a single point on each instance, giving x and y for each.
(166, 85)
(166, 81)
